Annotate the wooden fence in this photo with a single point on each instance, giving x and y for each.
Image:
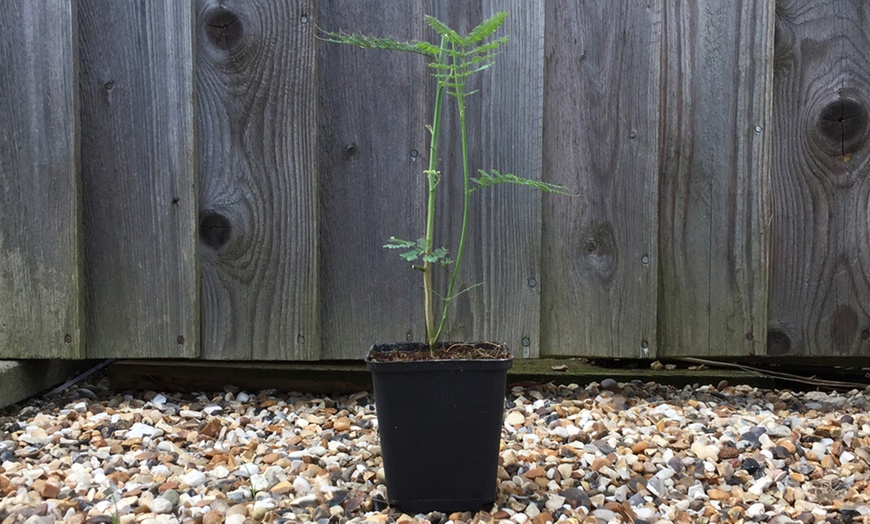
(207, 179)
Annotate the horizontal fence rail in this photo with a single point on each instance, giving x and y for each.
(209, 179)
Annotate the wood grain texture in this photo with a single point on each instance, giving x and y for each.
(373, 148)
(601, 138)
(714, 211)
(504, 120)
(256, 103)
(41, 301)
(138, 171)
(820, 280)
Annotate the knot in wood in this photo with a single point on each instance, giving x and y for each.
(842, 125)
(223, 28)
(214, 229)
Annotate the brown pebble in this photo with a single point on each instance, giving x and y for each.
(271, 458)
(534, 473)
(211, 428)
(640, 447)
(600, 462)
(727, 452)
(118, 477)
(341, 424)
(47, 489)
(238, 509)
(281, 488)
(543, 518)
(167, 486)
(78, 518)
(717, 494)
(213, 517)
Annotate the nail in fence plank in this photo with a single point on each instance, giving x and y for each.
(713, 241)
(138, 171)
(820, 278)
(41, 306)
(256, 102)
(373, 148)
(601, 138)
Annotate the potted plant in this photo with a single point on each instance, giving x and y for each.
(440, 405)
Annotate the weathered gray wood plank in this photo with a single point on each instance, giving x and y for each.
(373, 148)
(505, 127)
(820, 280)
(601, 138)
(256, 102)
(138, 171)
(41, 302)
(714, 212)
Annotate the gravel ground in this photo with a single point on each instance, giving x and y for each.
(608, 452)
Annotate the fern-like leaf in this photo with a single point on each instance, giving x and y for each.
(494, 178)
(486, 28)
(389, 44)
(442, 29)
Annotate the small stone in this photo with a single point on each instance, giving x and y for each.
(755, 510)
(576, 497)
(534, 473)
(779, 452)
(341, 424)
(639, 447)
(728, 452)
(194, 478)
(213, 517)
(271, 458)
(160, 505)
(543, 518)
(554, 502)
(716, 494)
(235, 519)
(49, 489)
(515, 418)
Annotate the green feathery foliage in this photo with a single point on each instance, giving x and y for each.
(453, 63)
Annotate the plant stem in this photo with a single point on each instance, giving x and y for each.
(466, 193)
(432, 179)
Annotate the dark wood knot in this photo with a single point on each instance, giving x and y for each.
(214, 229)
(223, 28)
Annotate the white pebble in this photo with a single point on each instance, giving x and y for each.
(139, 430)
(301, 486)
(160, 505)
(235, 518)
(194, 478)
(755, 510)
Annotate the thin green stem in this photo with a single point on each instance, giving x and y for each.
(466, 194)
(432, 179)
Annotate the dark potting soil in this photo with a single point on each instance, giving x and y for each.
(444, 351)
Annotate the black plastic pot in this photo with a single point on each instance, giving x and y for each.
(440, 428)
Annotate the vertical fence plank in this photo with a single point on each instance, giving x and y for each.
(373, 148)
(715, 178)
(41, 306)
(138, 177)
(504, 119)
(601, 138)
(256, 103)
(820, 279)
